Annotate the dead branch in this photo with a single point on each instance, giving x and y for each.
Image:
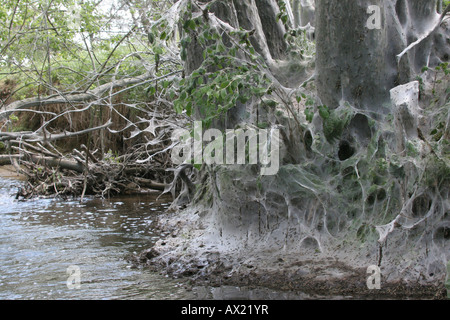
(35, 137)
(94, 94)
(425, 36)
(44, 161)
(147, 183)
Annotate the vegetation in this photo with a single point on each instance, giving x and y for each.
(71, 67)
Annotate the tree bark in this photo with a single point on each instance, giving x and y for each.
(45, 161)
(259, 18)
(357, 62)
(307, 13)
(296, 11)
(273, 30)
(352, 63)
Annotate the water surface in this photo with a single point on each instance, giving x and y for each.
(40, 239)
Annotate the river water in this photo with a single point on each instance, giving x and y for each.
(44, 241)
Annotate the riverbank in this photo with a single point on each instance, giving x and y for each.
(10, 172)
(192, 251)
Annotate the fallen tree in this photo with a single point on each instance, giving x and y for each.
(94, 96)
(142, 168)
(79, 176)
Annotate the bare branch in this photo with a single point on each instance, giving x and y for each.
(425, 36)
(94, 94)
(34, 137)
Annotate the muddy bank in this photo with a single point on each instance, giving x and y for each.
(10, 172)
(191, 251)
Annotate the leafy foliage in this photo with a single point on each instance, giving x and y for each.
(334, 121)
(62, 45)
(224, 77)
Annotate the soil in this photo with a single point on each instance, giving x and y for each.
(180, 255)
(11, 173)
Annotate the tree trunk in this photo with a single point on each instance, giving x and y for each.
(357, 46)
(307, 13)
(273, 30)
(45, 161)
(251, 15)
(327, 194)
(259, 18)
(352, 63)
(296, 12)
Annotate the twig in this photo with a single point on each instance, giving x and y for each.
(425, 36)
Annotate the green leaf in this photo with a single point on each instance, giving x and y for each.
(324, 112)
(310, 102)
(189, 109)
(192, 24)
(158, 50)
(151, 91)
(183, 54)
(278, 17)
(178, 106)
(243, 99)
(271, 103)
(151, 38)
(309, 113)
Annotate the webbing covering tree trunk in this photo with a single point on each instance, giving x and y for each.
(358, 43)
